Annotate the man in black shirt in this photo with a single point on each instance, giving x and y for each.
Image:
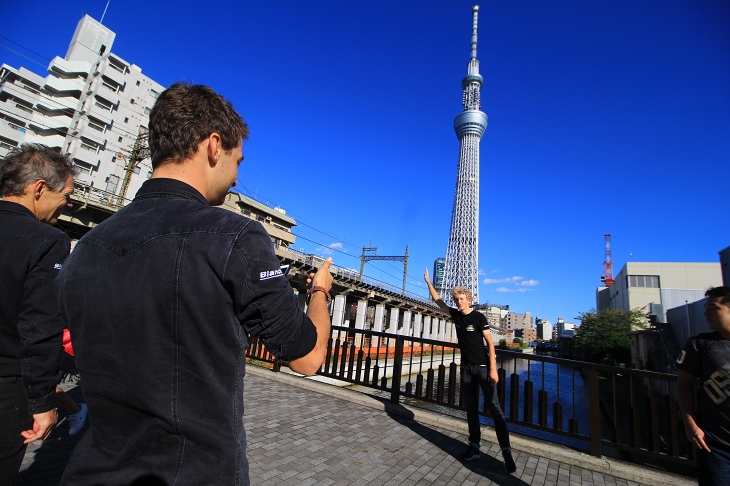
(36, 183)
(706, 414)
(478, 370)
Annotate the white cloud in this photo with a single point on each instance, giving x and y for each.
(482, 272)
(503, 289)
(529, 283)
(501, 280)
(328, 250)
(525, 290)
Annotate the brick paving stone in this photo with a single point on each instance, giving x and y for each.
(299, 436)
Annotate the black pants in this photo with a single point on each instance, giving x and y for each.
(14, 418)
(474, 377)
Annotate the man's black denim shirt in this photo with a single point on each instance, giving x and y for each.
(31, 254)
(159, 300)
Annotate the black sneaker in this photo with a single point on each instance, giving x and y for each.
(509, 463)
(470, 453)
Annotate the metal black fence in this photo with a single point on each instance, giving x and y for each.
(603, 410)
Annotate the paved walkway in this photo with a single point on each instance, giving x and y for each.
(307, 433)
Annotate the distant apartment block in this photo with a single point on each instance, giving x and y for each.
(92, 104)
(563, 329)
(544, 329)
(438, 274)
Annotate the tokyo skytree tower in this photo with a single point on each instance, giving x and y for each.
(462, 259)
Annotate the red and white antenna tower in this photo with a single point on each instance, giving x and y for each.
(607, 277)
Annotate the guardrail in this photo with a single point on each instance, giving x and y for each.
(607, 410)
(89, 194)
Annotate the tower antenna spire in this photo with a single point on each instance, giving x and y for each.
(462, 255)
(475, 21)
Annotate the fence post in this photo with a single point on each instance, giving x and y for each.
(397, 364)
(594, 411)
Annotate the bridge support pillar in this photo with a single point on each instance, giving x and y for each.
(361, 313)
(426, 327)
(406, 329)
(442, 330)
(338, 314)
(379, 318)
(394, 318)
(417, 325)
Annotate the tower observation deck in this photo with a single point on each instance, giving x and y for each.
(462, 259)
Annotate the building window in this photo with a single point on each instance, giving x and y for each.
(647, 281)
(120, 139)
(154, 93)
(97, 125)
(137, 83)
(126, 120)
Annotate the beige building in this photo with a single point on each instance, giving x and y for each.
(275, 221)
(668, 285)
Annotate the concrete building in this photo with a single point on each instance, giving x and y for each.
(563, 329)
(275, 221)
(438, 274)
(544, 329)
(513, 321)
(666, 285)
(92, 104)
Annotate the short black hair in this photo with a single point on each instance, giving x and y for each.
(184, 115)
(33, 162)
(723, 292)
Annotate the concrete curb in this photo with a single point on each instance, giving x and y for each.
(529, 445)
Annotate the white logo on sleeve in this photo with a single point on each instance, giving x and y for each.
(270, 274)
(58, 266)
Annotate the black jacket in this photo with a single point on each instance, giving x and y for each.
(31, 254)
(159, 299)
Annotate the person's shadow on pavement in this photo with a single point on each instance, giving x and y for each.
(487, 466)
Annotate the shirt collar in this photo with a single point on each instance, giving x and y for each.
(16, 208)
(163, 187)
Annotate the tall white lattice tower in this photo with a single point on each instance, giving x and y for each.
(462, 259)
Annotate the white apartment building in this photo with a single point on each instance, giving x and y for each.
(92, 104)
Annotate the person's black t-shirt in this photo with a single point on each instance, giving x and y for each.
(469, 328)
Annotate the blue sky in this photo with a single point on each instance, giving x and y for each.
(604, 116)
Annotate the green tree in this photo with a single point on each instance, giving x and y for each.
(602, 335)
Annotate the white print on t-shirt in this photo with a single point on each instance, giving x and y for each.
(717, 386)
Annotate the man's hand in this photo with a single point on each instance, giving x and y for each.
(43, 424)
(696, 436)
(493, 376)
(426, 278)
(323, 277)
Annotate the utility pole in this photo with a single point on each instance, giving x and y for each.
(140, 151)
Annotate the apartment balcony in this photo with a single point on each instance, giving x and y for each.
(62, 66)
(16, 110)
(42, 122)
(20, 92)
(65, 85)
(110, 71)
(53, 141)
(85, 153)
(88, 129)
(12, 131)
(98, 111)
(54, 102)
